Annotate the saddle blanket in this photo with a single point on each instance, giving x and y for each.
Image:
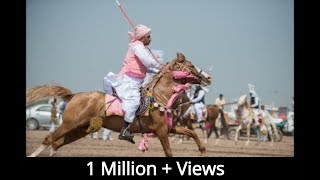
(113, 107)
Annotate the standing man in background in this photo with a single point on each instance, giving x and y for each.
(220, 104)
(53, 102)
(61, 106)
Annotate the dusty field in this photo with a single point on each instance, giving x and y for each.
(88, 147)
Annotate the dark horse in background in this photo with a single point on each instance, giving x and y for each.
(85, 109)
(210, 122)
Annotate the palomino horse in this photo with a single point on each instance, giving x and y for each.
(87, 108)
(212, 115)
(246, 116)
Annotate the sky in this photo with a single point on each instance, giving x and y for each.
(75, 43)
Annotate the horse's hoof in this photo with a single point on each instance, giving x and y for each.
(52, 152)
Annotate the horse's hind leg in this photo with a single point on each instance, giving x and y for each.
(190, 133)
(270, 134)
(51, 138)
(69, 137)
(47, 142)
(213, 128)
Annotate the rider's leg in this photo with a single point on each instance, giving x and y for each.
(198, 108)
(129, 93)
(190, 109)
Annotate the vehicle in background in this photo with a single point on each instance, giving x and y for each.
(287, 126)
(38, 116)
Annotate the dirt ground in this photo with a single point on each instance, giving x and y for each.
(88, 147)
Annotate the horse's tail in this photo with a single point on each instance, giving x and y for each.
(224, 123)
(45, 92)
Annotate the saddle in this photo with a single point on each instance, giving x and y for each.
(113, 105)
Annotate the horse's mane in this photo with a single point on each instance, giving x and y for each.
(246, 104)
(149, 86)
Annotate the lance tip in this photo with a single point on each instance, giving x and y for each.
(118, 2)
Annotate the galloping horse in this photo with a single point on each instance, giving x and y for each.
(246, 116)
(84, 109)
(212, 115)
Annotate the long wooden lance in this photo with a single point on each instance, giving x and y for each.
(132, 24)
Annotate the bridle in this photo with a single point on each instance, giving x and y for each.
(183, 67)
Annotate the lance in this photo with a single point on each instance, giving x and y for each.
(228, 103)
(133, 26)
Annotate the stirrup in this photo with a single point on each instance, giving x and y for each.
(126, 135)
(126, 132)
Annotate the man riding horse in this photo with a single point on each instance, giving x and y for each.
(254, 101)
(128, 82)
(198, 101)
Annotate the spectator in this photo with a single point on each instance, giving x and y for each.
(220, 101)
(103, 133)
(220, 104)
(53, 102)
(61, 106)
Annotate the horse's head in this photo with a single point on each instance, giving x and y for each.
(180, 63)
(242, 100)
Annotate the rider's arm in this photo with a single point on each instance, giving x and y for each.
(146, 58)
(200, 96)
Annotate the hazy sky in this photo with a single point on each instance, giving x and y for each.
(74, 43)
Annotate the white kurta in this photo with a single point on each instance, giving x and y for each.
(127, 87)
(198, 105)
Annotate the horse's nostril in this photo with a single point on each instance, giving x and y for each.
(209, 77)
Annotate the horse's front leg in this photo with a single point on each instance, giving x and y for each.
(163, 133)
(190, 133)
(248, 133)
(259, 136)
(237, 134)
(165, 145)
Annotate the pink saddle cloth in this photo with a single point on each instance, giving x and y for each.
(113, 107)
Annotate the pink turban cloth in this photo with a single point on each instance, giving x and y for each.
(140, 31)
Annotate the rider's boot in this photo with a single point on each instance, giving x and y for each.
(125, 133)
